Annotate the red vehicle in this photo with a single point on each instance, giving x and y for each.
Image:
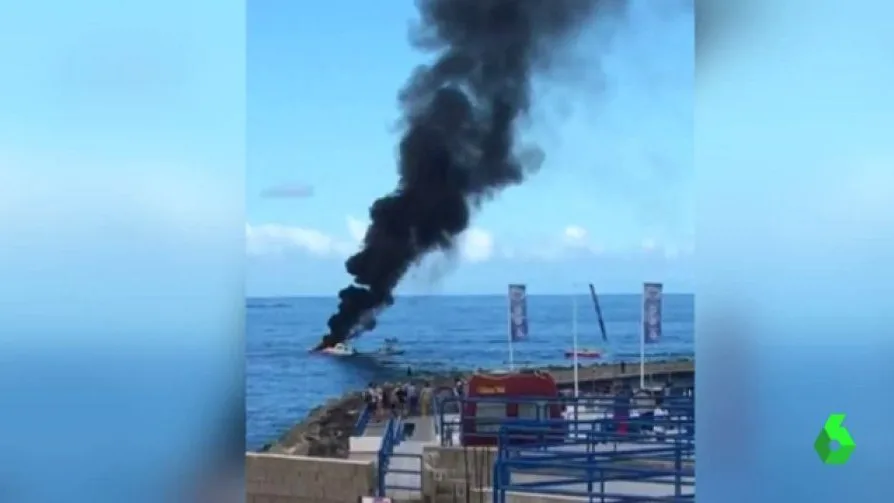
(482, 419)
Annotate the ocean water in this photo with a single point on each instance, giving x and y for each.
(284, 382)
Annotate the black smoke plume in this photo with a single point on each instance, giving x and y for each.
(459, 148)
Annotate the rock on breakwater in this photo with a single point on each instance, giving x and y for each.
(325, 432)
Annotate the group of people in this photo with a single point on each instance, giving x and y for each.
(399, 398)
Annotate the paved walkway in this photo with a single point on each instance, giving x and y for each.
(660, 488)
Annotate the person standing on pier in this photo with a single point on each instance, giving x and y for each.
(413, 398)
(425, 397)
(400, 394)
(371, 398)
(393, 399)
(384, 400)
(622, 409)
(660, 415)
(459, 388)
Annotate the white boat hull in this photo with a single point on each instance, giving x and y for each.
(338, 353)
(339, 350)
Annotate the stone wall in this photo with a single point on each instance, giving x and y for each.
(448, 472)
(278, 478)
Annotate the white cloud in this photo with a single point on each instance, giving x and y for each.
(476, 245)
(272, 239)
(576, 239)
(670, 250)
(357, 228)
(575, 233)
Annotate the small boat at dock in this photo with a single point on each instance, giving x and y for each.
(584, 353)
(577, 352)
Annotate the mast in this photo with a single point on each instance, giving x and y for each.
(598, 312)
(574, 344)
(509, 332)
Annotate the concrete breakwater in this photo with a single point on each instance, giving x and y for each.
(326, 430)
(655, 372)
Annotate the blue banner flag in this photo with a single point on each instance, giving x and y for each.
(518, 313)
(652, 312)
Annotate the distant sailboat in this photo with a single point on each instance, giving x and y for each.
(598, 312)
(390, 348)
(584, 353)
(576, 352)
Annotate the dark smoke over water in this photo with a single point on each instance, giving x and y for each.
(459, 145)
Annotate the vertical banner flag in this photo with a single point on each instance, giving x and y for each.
(652, 312)
(518, 313)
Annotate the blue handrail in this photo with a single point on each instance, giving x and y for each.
(362, 421)
(392, 436)
(384, 456)
(680, 413)
(665, 462)
(436, 414)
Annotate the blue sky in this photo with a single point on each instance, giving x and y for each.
(613, 203)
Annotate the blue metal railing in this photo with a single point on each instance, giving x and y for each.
(605, 413)
(438, 416)
(414, 486)
(392, 436)
(597, 435)
(362, 421)
(592, 474)
(589, 463)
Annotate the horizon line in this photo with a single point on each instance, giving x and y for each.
(555, 294)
